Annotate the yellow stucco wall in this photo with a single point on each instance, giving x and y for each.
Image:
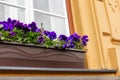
(85, 21)
(99, 19)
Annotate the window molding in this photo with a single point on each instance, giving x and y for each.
(70, 17)
(12, 5)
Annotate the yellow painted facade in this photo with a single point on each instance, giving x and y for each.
(100, 20)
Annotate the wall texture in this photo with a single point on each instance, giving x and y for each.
(100, 20)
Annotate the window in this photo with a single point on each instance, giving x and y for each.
(52, 13)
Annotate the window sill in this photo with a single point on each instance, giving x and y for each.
(6, 68)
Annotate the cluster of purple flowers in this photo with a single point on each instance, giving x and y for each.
(10, 24)
(73, 41)
(43, 37)
(51, 35)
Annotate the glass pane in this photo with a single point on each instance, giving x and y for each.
(53, 6)
(21, 15)
(51, 23)
(2, 12)
(19, 2)
(12, 12)
(57, 6)
(41, 5)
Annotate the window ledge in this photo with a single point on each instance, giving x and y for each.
(5, 68)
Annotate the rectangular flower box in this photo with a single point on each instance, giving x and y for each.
(29, 55)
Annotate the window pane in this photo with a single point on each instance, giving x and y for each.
(41, 18)
(57, 6)
(2, 12)
(53, 6)
(21, 14)
(19, 2)
(51, 23)
(8, 11)
(41, 5)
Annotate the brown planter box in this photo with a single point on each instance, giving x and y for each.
(28, 55)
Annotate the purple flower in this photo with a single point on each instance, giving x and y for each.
(71, 45)
(38, 30)
(52, 35)
(9, 20)
(25, 28)
(12, 33)
(40, 39)
(1, 22)
(19, 25)
(63, 37)
(8, 26)
(46, 33)
(33, 24)
(32, 27)
(74, 37)
(85, 40)
(64, 46)
(14, 22)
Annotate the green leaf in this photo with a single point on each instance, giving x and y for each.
(2, 38)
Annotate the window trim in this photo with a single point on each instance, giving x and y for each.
(12, 5)
(70, 17)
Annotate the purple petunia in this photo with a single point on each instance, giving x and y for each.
(52, 35)
(7, 25)
(40, 39)
(25, 28)
(19, 25)
(46, 32)
(12, 33)
(33, 27)
(14, 22)
(85, 40)
(9, 20)
(37, 30)
(64, 46)
(71, 45)
(63, 37)
(74, 37)
(68, 45)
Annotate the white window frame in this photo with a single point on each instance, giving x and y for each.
(29, 12)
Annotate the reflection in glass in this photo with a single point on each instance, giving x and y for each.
(51, 23)
(14, 13)
(53, 6)
(19, 2)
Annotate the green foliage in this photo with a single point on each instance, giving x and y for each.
(48, 42)
(28, 37)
